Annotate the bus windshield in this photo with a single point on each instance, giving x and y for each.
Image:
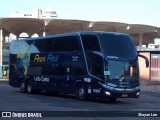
(122, 70)
(118, 45)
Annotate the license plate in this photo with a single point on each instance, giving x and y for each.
(124, 95)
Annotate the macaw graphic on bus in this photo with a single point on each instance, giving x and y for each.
(23, 58)
(23, 61)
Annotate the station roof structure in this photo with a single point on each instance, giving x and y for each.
(140, 33)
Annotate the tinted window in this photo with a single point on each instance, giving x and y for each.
(45, 45)
(68, 43)
(95, 64)
(117, 45)
(90, 42)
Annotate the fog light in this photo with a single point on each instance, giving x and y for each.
(138, 93)
(108, 93)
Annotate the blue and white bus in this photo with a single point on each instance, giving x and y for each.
(87, 64)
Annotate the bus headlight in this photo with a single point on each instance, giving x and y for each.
(107, 93)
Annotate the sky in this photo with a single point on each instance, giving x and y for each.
(126, 11)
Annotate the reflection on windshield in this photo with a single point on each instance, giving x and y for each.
(121, 69)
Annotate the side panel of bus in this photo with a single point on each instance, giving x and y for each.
(58, 72)
(51, 64)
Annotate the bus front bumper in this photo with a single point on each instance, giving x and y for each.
(121, 93)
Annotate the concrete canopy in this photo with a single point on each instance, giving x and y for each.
(144, 32)
(137, 28)
(57, 26)
(106, 26)
(5, 32)
(19, 25)
(158, 32)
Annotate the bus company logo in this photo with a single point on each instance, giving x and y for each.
(41, 78)
(6, 114)
(49, 58)
(39, 58)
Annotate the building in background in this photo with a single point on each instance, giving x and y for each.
(36, 13)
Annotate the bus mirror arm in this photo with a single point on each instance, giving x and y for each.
(146, 60)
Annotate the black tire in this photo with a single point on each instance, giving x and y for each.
(23, 87)
(81, 93)
(30, 87)
(112, 99)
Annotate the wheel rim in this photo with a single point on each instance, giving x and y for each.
(22, 86)
(29, 88)
(81, 93)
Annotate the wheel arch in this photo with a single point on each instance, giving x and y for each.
(78, 83)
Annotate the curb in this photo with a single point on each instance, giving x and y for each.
(4, 80)
(151, 88)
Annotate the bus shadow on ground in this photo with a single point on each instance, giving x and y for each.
(72, 97)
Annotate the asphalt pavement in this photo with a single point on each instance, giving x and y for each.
(146, 85)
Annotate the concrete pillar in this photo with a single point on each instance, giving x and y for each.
(140, 39)
(44, 29)
(1, 44)
(46, 22)
(44, 32)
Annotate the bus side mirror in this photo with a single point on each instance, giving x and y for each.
(146, 60)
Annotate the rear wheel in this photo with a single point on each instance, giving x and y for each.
(23, 87)
(80, 92)
(29, 87)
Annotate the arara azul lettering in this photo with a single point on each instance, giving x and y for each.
(52, 58)
(39, 58)
(49, 58)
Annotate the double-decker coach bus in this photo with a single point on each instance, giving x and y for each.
(87, 64)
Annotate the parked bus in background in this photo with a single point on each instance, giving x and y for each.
(87, 64)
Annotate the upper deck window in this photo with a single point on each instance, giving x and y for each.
(44, 45)
(90, 42)
(67, 43)
(58, 44)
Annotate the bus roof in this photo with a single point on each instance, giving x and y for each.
(72, 34)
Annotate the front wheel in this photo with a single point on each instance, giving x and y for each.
(81, 93)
